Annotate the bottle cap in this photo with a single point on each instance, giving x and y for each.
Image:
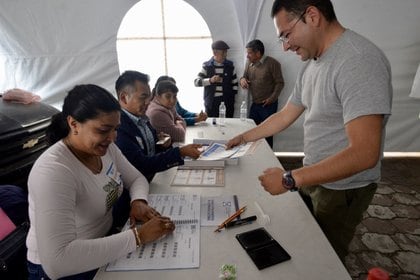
(377, 273)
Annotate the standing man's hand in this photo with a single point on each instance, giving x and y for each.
(272, 180)
(244, 83)
(235, 141)
(267, 102)
(216, 79)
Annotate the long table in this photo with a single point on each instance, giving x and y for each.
(292, 225)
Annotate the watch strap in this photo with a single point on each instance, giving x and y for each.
(289, 182)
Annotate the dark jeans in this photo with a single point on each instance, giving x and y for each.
(36, 272)
(259, 113)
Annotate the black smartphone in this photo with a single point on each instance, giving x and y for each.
(263, 249)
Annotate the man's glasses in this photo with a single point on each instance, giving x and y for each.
(285, 38)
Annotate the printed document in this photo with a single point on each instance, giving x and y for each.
(194, 177)
(181, 249)
(216, 209)
(217, 151)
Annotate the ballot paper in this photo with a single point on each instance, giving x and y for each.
(217, 151)
(216, 209)
(181, 249)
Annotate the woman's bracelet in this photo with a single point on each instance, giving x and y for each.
(136, 234)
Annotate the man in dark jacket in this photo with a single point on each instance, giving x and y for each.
(136, 138)
(218, 77)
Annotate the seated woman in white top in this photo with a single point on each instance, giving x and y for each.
(162, 112)
(72, 189)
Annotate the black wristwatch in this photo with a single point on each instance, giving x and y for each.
(288, 181)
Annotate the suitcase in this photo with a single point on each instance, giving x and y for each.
(22, 138)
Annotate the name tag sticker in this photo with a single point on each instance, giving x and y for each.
(113, 174)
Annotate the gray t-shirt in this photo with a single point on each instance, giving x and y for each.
(351, 79)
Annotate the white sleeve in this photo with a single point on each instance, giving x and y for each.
(62, 250)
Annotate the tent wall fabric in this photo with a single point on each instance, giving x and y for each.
(49, 46)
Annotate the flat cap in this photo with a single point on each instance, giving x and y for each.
(219, 45)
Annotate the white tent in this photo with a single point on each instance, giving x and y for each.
(49, 46)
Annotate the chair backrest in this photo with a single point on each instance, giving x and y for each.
(14, 202)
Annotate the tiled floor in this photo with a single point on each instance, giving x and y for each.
(389, 235)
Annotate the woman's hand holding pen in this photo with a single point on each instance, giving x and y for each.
(154, 225)
(155, 228)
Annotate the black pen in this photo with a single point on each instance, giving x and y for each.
(243, 221)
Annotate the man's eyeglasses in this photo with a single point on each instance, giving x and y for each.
(285, 38)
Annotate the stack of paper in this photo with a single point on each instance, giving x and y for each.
(181, 249)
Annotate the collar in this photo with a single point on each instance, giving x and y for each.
(214, 62)
(134, 118)
(261, 61)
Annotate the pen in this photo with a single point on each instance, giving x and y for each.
(231, 218)
(243, 221)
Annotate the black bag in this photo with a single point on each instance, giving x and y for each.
(14, 202)
(13, 249)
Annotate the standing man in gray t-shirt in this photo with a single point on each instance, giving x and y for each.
(344, 91)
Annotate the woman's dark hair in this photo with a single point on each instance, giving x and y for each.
(165, 86)
(83, 102)
(160, 79)
(298, 7)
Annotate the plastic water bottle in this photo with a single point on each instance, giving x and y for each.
(222, 113)
(244, 110)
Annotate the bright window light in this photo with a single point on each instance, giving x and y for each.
(166, 37)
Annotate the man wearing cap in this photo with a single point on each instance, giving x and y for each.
(218, 77)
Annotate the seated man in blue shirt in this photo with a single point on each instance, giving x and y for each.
(190, 117)
(136, 138)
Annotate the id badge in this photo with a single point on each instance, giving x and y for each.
(113, 174)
